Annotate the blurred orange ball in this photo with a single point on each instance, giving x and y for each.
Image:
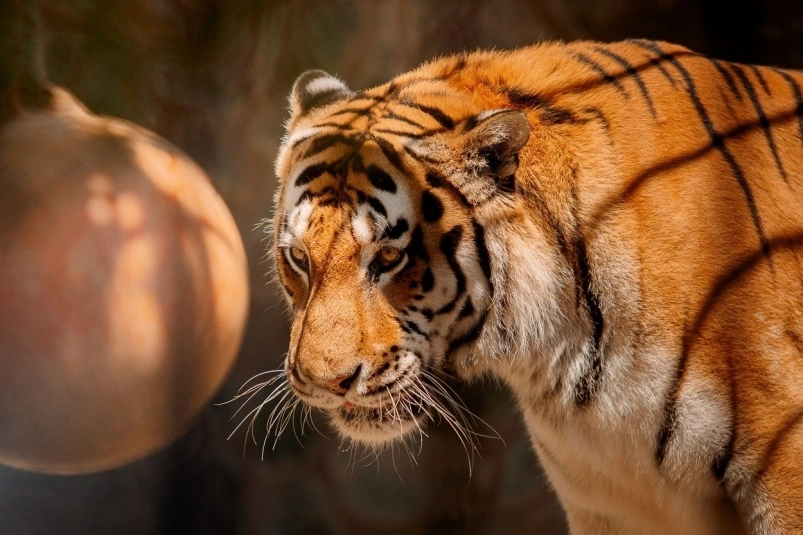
(123, 290)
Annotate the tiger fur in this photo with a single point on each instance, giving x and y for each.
(611, 229)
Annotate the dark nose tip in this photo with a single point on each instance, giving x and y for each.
(341, 385)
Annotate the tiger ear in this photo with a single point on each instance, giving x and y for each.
(315, 89)
(491, 144)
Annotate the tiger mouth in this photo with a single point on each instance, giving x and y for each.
(382, 423)
(381, 414)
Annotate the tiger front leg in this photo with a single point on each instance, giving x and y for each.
(582, 522)
(771, 500)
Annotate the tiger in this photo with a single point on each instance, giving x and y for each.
(612, 230)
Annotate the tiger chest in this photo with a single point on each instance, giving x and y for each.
(605, 477)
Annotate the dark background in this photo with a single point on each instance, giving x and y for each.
(212, 77)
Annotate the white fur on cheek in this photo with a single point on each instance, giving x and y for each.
(361, 226)
(298, 222)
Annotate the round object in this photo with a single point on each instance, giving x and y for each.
(123, 290)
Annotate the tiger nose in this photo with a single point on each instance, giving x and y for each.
(341, 384)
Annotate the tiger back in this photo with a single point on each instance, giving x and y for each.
(612, 229)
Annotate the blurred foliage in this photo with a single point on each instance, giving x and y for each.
(212, 76)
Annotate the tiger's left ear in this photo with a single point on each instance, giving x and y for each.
(491, 144)
(315, 89)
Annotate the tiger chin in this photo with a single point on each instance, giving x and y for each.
(613, 230)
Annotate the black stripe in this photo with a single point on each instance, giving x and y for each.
(472, 122)
(420, 157)
(728, 77)
(550, 114)
(324, 98)
(376, 205)
(392, 91)
(599, 116)
(439, 115)
(390, 153)
(553, 115)
(311, 173)
(669, 421)
(286, 288)
(599, 69)
(373, 202)
(772, 449)
(483, 257)
(401, 133)
(397, 117)
(591, 300)
(762, 118)
(658, 64)
(415, 328)
(467, 309)
(632, 71)
(412, 82)
(721, 462)
(519, 97)
(416, 247)
(363, 112)
(395, 232)
(298, 142)
(382, 369)
(795, 87)
(434, 180)
(716, 138)
(427, 280)
(448, 245)
(431, 207)
(451, 70)
(331, 124)
(761, 80)
(589, 382)
(322, 143)
(380, 179)
(470, 335)
(306, 196)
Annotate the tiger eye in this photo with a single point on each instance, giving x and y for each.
(298, 255)
(388, 255)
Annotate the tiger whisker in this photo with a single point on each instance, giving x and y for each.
(277, 409)
(445, 391)
(280, 371)
(268, 399)
(464, 434)
(251, 389)
(290, 418)
(278, 390)
(283, 405)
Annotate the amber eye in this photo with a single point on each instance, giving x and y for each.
(299, 257)
(389, 255)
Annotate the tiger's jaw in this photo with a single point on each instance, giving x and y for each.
(375, 409)
(378, 425)
(388, 418)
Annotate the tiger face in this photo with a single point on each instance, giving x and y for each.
(378, 249)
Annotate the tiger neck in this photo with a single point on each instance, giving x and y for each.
(562, 318)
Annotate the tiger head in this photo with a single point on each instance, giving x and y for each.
(380, 243)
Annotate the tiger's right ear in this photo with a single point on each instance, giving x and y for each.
(490, 151)
(315, 89)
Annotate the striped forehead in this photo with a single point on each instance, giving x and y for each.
(374, 192)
